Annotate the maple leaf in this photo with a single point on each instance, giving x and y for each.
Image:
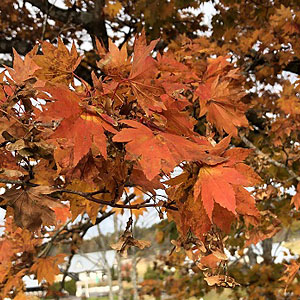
(23, 69)
(191, 215)
(296, 198)
(85, 130)
(174, 76)
(219, 183)
(142, 76)
(215, 185)
(6, 250)
(218, 101)
(268, 226)
(157, 150)
(32, 207)
(22, 238)
(245, 204)
(87, 169)
(177, 121)
(57, 63)
(219, 97)
(126, 241)
(81, 124)
(290, 273)
(46, 268)
(45, 173)
(115, 61)
(223, 218)
(79, 205)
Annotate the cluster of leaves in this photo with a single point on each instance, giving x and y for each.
(142, 121)
(85, 144)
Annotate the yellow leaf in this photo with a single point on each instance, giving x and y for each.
(47, 268)
(112, 9)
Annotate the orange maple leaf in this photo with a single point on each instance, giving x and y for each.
(57, 63)
(296, 198)
(81, 124)
(219, 102)
(23, 69)
(115, 61)
(217, 184)
(219, 97)
(85, 129)
(46, 268)
(6, 250)
(141, 77)
(79, 205)
(157, 150)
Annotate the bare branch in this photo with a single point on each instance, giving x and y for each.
(92, 20)
(57, 13)
(21, 46)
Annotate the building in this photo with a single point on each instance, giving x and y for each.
(91, 272)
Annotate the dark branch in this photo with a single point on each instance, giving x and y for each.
(93, 20)
(90, 196)
(293, 66)
(21, 46)
(57, 13)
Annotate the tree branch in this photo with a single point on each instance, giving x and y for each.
(92, 20)
(21, 46)
(57, 13)
(269, 159)
(90, 196)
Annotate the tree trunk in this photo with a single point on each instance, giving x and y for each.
(119, 263)
(134, 276)
(267, 250)
(110, 284)
(106, 264)
(252, 256)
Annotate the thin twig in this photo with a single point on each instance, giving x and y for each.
(45, 251)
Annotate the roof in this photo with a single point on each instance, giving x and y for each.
(93, 261)
(30, 282)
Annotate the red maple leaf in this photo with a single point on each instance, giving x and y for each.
(79, 123)
(141, 77)
(158, 150)
(218, 183)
